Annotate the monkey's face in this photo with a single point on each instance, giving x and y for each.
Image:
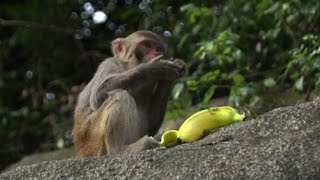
(139, 47)
(149, 50)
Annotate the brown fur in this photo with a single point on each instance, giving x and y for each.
(124, 103)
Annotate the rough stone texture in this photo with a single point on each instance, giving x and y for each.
(43, 156)
(281, 144)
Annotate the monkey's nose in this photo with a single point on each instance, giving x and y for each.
(156, 53)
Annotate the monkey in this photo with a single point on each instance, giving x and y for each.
(123, 105)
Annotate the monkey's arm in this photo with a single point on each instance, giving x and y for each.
(158, 106)
(160, 99)
(111, 76)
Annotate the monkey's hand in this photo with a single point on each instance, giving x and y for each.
(146, 142)
(160, 70)
(155, 59)
(183, 71)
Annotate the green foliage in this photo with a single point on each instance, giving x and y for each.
(247, 47)
(304, 63)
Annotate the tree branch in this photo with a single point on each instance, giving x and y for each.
(29, 24)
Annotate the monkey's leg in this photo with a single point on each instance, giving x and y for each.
(122, 126)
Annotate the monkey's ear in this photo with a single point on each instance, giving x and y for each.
(117, 46)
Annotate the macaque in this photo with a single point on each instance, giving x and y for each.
(123, 105)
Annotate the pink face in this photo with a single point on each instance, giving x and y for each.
(151, 49)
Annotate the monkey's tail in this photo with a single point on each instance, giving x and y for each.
(169, 137)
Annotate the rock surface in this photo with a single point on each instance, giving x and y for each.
(44, 156)
(281, 144)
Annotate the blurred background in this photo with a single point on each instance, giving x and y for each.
(258, 55)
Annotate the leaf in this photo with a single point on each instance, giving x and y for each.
(209, 94)
(317, 63)
(192, 85)
(291, 18)
(209, 46)
(269, 82)
(237, 54)
(299, 84)
(177, 90)
(261, 7)
(187, 7)
(238, 79)
(210, 76)
(182, 41)
(245, 91)
(227, 51)
(272, 9)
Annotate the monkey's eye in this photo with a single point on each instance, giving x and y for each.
(159, 49)
(147, 45)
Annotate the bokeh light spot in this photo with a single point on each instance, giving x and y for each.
(84, 15)
(29, 74)
(142, 5)
(88, 8)
(99, 17)
(73, 15)
(167, 33)
(86, 32)
(50, 95)
(111, 26)
(85, 23)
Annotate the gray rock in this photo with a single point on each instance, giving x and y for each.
(43, 156)
(281, 144)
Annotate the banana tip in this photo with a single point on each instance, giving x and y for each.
(239, 117)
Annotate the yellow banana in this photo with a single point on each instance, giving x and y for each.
(203, 121)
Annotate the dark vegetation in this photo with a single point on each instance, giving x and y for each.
(50, 48)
